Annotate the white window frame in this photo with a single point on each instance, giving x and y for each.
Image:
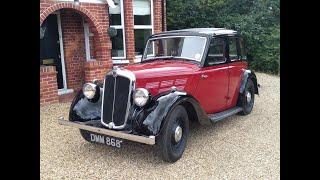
(123, 32)
(87, 36)
(85, 1)
(65, 89)
(138, 58)
(57, 13)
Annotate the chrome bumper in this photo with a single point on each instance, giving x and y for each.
(141, 139)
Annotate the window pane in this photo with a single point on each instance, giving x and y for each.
(140, 38)
(142, 12)
(242, 50)
(92, 47)
(233, 54)
(216, 52)
(192, 48)
(178, 47)
(117, 44)
(115, 14)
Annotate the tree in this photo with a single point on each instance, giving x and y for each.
(257, 20)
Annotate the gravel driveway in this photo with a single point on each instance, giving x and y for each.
(240, 147)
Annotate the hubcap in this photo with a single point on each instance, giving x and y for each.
(178, 134)
(248, 96)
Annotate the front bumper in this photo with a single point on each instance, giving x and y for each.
(136, 138)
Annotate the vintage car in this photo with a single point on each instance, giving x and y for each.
(184, 75)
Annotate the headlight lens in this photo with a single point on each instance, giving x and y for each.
(89, 90)
(141, 97)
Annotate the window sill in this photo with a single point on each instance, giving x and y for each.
(136, 60)
(120, 61)
(64, 91)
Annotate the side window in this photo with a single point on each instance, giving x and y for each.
(243, 54)
(217, 51)
(233, 53)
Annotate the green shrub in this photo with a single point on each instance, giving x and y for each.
(257, 20)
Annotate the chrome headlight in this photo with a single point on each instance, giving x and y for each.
(89, 90)
(141, 97)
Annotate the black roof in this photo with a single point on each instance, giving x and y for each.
(208, 32)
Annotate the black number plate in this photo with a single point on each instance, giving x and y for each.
(110, 141)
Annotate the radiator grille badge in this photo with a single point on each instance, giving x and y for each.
(110, 125)
(114, 71)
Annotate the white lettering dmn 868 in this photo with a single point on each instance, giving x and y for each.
(106, 140)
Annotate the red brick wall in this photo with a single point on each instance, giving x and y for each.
(44, 4)
(129, 25)
(78, 70)
(74, 47)
(99, 19)
(48, 85)
(157, 18)
(164, 15)
(96, 70)
(129, 31)
(95, 14)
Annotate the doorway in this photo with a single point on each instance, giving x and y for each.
(51, 48)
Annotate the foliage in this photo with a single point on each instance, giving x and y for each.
(258, 21)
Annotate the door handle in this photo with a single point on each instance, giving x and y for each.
(203, 76)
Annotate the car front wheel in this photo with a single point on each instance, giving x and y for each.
(174, 134)
(85, 134)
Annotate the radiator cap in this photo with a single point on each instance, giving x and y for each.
(173, 89)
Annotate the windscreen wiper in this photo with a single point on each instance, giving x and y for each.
(160, 57)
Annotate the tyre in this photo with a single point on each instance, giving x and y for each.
(246, 99)
(85, 134)
(174, 134)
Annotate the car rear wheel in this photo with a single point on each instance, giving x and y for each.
(246, 99)
(174, 134)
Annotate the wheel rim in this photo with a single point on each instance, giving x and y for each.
(248, 97)
(178, 134)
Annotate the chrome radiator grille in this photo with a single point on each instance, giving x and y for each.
(118, 86)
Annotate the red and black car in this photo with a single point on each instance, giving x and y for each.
(184, 75)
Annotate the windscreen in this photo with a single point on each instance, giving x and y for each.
(188, 47)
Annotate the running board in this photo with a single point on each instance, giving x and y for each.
(224, 114)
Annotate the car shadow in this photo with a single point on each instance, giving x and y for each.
(137, 152)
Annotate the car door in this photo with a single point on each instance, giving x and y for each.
(237, 64)
(213, 83)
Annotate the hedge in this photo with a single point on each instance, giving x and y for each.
(257, 20)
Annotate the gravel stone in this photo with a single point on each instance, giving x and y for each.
(239, 147)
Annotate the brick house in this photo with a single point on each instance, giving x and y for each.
(75, 46)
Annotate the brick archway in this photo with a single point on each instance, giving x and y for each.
(97, 17)
(81, 10)
(103, 44)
